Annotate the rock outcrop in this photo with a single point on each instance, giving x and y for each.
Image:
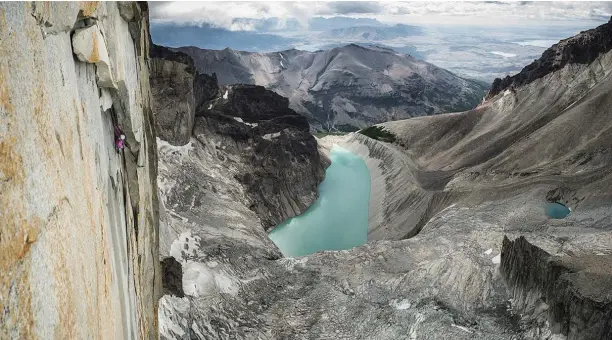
(345, 88)
(281, 163)
(172, 277)
(78, 219)
(583, 48)
(172, 78)
(572, 294)
(178, 92)
(283, 166)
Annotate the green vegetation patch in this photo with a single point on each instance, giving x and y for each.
(379, 133)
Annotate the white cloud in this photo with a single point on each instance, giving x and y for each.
(222, 14)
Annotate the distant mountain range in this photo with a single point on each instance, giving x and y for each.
(371, 33)
(266, 35)
(217, 38)
(345, 88)
(482, 53)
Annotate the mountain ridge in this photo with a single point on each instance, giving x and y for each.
(582, 48)
(345, 88)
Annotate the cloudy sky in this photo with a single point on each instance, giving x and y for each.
(488, 13)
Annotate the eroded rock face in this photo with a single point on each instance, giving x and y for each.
(79, 220)
(178, 92)
(172, 85)
(251, 163)
(572, 294)
(283, 166)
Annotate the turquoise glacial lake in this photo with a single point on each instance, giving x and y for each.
(557, 210)
(339, 218)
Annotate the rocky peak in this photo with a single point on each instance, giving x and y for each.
(582, 48)
(251, 103)
(178, 90)
(283, 149)
(162, 52)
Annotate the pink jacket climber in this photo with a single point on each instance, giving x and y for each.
(119, 139)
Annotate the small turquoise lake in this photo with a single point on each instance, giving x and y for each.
(557, 210)
(339, 218)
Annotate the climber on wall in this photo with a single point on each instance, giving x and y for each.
(119, 139)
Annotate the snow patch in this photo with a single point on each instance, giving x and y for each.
(282, 64)
(238, 119)
(175, 215)
(385, 88)
(269, 136)
(184, 244)
(400, 304)
(181, 151)
(412, 332)
(281, 55)
(496, 259)
(489, 251)
(200, 280)
(210, 106)
(225, 94)
(169, 320)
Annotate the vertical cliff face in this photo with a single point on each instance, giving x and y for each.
(78, 219)
(282, 166)
(172, 85)
(572, 294)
